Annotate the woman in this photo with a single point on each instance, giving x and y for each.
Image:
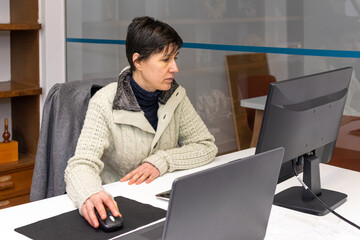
(140, 127)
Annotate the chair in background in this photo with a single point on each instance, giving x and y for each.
(254, 86)
(248, 76)
(347, 150)
(62, 119)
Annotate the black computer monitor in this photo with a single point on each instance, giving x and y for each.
(303, 115)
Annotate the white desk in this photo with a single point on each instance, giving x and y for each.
(287, 224)
(283, 224)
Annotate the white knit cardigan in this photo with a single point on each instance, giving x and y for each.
(115, 141)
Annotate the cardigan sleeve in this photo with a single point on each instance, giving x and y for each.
(196, 144)
(82, 174)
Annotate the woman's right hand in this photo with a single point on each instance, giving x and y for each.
(99, 201)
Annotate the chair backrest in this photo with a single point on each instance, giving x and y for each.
(347, 151)
(254, 86)
(62, 119)
(248, 76)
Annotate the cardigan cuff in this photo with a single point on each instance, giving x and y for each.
(159, 161)
(81, 184)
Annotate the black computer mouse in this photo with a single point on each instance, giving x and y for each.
(110, 223)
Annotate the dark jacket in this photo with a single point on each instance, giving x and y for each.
(62, 119)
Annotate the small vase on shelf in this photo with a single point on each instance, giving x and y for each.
(8, 149)
(6, 134)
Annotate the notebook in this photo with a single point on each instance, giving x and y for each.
(230, 201)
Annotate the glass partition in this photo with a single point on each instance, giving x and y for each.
(297, 38)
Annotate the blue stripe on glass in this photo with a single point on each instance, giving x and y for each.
(239, 48)
(97, 41)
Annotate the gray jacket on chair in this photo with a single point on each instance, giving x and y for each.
(62, 119)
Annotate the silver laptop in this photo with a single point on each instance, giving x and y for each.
(231, 201)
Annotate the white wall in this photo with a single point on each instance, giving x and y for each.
(5, 107)
(4, 11)
(52, 45)
(4, 42)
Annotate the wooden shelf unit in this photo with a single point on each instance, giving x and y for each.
(19, 26)
(11, 89)
(24, 91)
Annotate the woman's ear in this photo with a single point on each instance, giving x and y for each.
(137, 63)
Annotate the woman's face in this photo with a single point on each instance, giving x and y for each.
(157, 72)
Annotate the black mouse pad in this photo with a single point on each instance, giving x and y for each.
(72, 225)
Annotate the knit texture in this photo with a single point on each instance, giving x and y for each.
(113, 142)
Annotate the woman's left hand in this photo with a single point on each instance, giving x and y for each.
(145, 172)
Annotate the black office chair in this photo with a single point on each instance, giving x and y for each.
(62, 119)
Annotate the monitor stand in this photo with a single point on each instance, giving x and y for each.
(299, 199)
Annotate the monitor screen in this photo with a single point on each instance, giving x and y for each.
(303, 115)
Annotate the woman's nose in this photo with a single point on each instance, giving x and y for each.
(174, 67)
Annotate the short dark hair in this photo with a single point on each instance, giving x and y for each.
(147, 36)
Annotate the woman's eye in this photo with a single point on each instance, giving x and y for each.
(168, 59)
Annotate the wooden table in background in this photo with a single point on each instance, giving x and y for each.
(257, 103)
